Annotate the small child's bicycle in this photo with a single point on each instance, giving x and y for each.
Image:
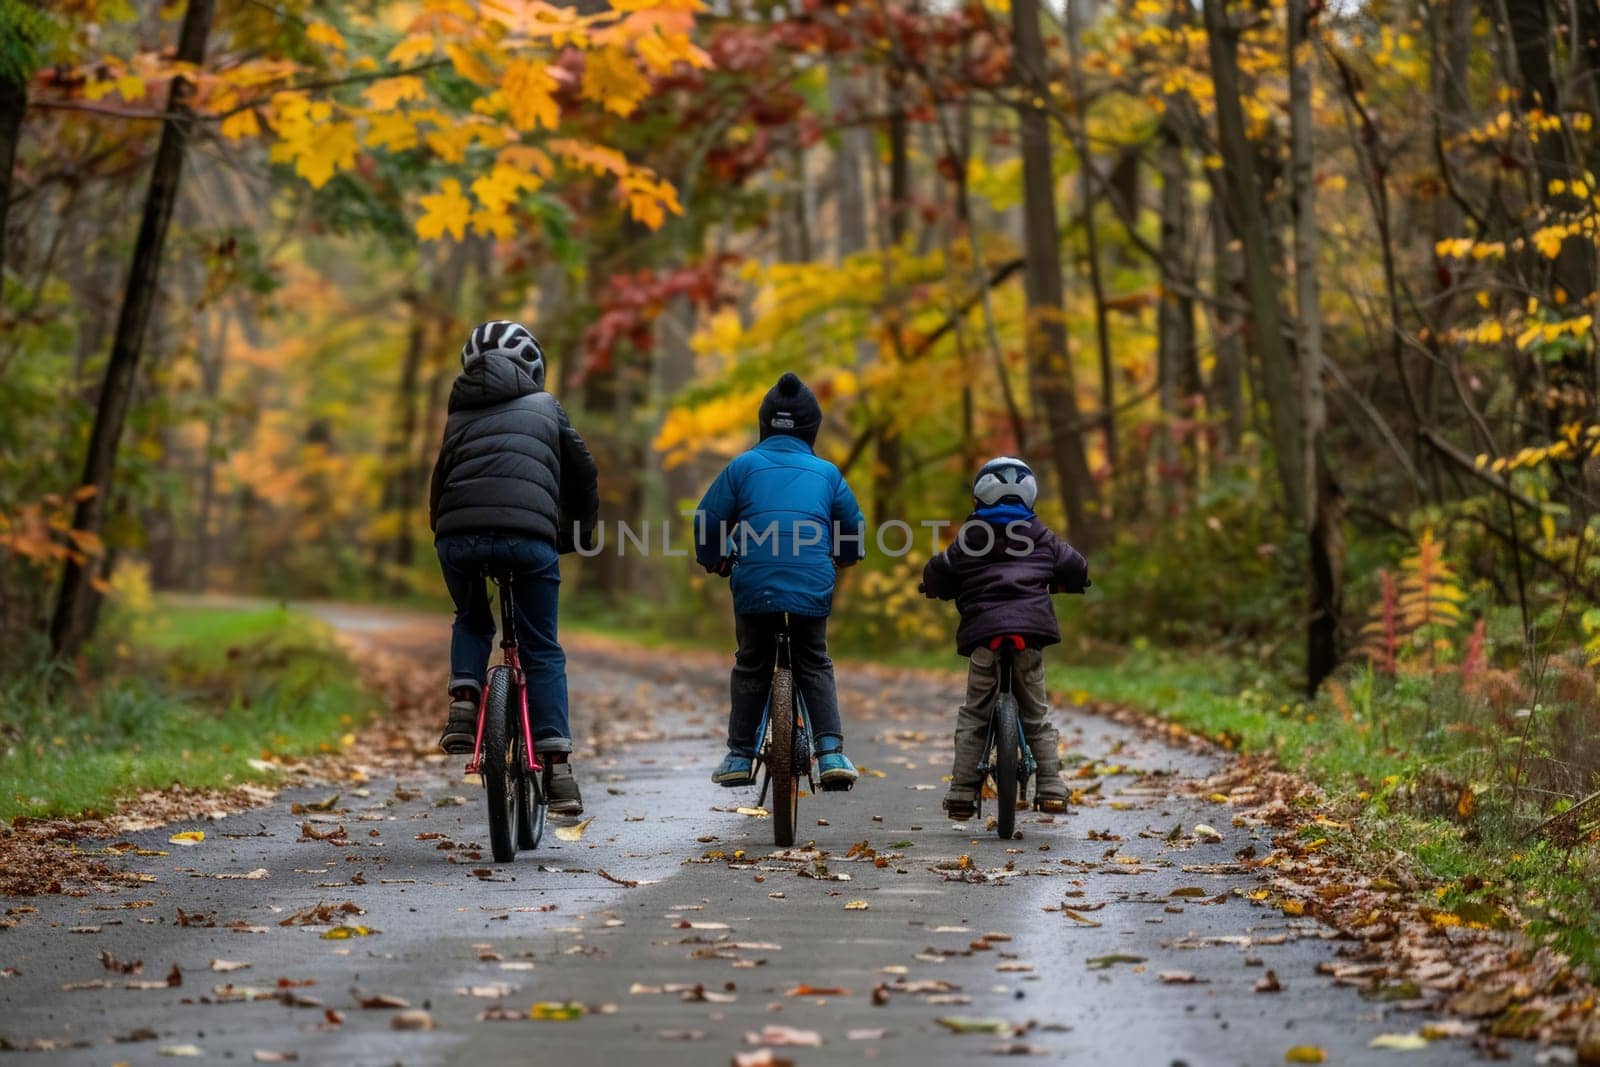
(503, 755)
(786, 751)
(1006, 757)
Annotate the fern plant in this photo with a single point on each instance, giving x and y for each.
(1421, 612)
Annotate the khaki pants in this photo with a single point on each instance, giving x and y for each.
(1033, 707)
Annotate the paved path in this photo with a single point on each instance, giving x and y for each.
(721, 934)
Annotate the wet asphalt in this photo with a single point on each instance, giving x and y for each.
(718, 944)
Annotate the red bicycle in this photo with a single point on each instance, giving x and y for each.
(504, 756)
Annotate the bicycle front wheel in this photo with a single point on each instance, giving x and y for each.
(1007, 745)
(532, 804)
(499, 769)
(780, 759)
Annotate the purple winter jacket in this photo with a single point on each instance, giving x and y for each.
(1002, 585)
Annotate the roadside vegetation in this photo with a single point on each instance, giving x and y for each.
(200, 696)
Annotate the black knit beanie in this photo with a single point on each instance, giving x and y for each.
(792, 409)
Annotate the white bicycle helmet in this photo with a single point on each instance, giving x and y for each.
(1005, 478)
(509, 339)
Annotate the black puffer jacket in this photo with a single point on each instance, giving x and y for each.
(511, 462)
(1006, 589)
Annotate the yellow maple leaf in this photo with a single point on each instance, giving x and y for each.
(413, 48)
(529, 93)
(597, 159)
(611, 78)
(452, 142)
(469, 65)
(242, 124)
(388, 93)
(500, 188)
(446, 211)
(333, 149)
(494, 224)
(394, 131)
(320, 32)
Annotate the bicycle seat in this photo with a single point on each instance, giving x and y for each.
(1015, 640)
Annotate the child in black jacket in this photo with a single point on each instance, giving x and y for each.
(1000, 570)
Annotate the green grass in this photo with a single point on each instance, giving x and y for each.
(192, 696)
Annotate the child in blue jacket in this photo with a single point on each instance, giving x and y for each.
(777, 520)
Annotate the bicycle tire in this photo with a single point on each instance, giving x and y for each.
(1007, 746)
(532, 803)
(498, 770)
(780, 759)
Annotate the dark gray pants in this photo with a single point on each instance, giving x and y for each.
(1033, 708)
(752, 676)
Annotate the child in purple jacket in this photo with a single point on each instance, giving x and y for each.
(1000, 570)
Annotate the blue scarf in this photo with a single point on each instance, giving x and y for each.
(1004, 512)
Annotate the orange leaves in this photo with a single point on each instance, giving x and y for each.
(41, 532)
(530, 95)
(611, 78)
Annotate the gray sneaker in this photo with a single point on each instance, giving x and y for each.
(562, 790)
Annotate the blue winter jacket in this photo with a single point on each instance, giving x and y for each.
(786, 515)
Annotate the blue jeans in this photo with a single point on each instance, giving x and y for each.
(535, 571)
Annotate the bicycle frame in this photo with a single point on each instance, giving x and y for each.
(510, 661)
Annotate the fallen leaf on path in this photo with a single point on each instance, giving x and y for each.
(383, 1002)
(1209, 833)
(267, 1055)
(626, 883)
(557, 1011)
(1017, 1048)
(784, 1035)
(225, 966)
(754, 813)
(817, 991)
(415, 1019)
(1100, 963)
(574, 833)
(1268, 983)
(179, 1050)
(341, 933)
(116, 966)
(1080, 919)
(1305, 1054)
(761, 1057)
(93, 983)
(857, 905)
(1179, 978)
(187, 838)
(1399, 1042)
(865, 1034)
(493, 991)
(967, 1024)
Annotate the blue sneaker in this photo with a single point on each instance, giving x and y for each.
(837, 772)
(735, 770)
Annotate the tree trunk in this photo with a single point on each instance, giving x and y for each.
(75, 602)
(1102, 326)
(1226, 392)
(1243, 206)
(1325, 542)
(1175, 352)
(887, 490)
(13, 105)
(853, 150)
(1050, 366)
(396, 551)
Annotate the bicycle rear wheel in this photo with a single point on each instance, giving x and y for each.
(499, 769)
(780, 758)
(532, 804)
(1006, 747)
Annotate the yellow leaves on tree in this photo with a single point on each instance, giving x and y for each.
(611, 78)
(388, 94)
(529, 90)
(446, 211)
(310, 138)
